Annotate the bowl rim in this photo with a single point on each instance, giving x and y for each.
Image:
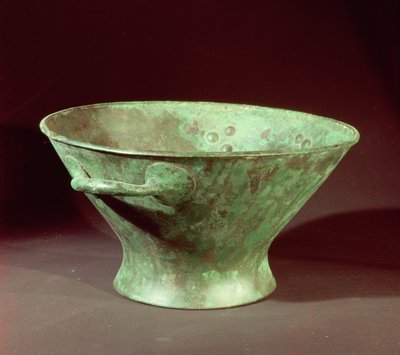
(187, 154)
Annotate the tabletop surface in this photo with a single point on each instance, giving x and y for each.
(338, 293)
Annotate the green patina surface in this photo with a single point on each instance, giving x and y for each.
(196, 192)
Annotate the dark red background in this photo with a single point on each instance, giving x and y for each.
(339, 59)
(334, 58)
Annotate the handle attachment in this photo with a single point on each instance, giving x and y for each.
(169, 183)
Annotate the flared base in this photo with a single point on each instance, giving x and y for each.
(219, 290)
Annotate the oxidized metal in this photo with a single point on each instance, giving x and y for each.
(196, 192)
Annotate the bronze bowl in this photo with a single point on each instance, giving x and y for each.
(196, 192)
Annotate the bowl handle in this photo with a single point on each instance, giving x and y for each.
(169, 183)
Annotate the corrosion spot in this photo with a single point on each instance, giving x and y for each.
(299, 163)
(265, 133)
(223, 213)
(254, 180)
(209, 166)
(270, 173)
(191, 128)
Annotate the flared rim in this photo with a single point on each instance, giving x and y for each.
(187, 154)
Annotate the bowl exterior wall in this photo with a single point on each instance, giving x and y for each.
(210, 251)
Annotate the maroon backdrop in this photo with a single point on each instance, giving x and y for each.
(328, 58)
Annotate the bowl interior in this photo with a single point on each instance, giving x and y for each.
(180, 127)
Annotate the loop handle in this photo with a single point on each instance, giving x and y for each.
(169, 183)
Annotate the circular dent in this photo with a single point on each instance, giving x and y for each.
(306, 144)
(212, 137)
(299, 138)
(226, 148)
(230, 130)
